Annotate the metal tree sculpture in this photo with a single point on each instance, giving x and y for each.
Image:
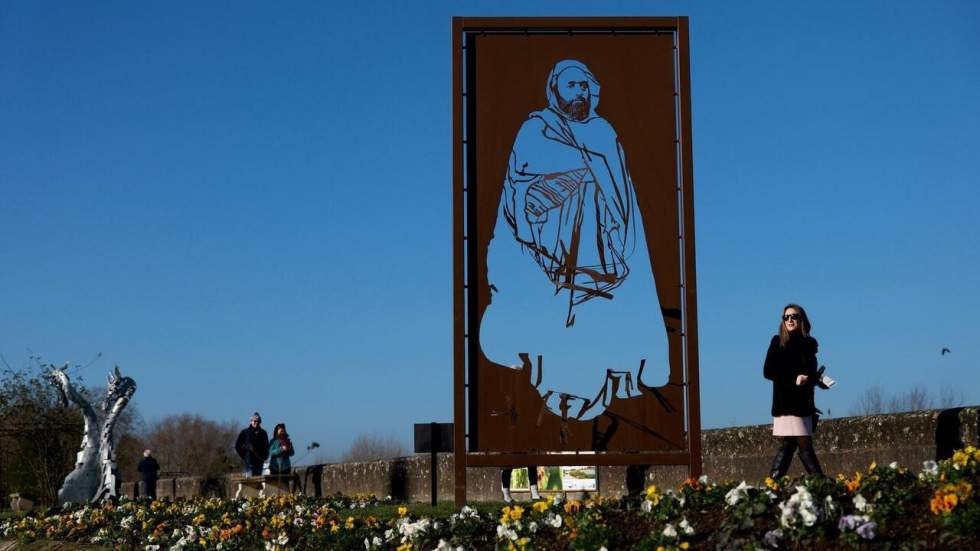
(94, 478)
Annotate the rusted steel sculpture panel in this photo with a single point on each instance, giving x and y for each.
(574, 238)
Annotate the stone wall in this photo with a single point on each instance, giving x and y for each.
(843, 445)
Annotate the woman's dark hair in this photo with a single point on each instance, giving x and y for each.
(275, 431)
(804, 324)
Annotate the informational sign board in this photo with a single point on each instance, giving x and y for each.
(575, 334)
(557, 479)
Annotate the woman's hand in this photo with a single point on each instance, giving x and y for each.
(801, 379)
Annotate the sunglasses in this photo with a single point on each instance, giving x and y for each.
(794, 317)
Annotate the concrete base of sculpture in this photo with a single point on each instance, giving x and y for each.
(20, 504)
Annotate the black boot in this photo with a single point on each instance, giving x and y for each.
(810, 462)
(780, 463)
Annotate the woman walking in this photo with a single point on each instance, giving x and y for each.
(791, 365)
(280, 449)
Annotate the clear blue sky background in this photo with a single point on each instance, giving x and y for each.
(246, 205)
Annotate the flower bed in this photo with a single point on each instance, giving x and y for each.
(936, 508)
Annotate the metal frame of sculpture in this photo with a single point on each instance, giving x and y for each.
(503, 414)
(94, 478)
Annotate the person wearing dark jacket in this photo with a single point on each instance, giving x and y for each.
(148, 469)
(280, 450)
(253, 446)
(791, 365)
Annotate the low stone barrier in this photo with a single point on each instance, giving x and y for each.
(843, 445)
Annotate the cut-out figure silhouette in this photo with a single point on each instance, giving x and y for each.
(570, 276)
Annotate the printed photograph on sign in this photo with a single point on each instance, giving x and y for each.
(555, 479)
(582, 479)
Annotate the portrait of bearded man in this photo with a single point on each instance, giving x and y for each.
(570, 275)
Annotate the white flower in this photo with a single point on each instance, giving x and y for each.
(504, 532)
(670, 531)
(126, 522)
(283, 539)
(686, 527)
(533, 527)
(799, 504)
(298, 521)
(773, 537)
(646, 506)
(737, 493)
(860, 503)
(152, 548)
(893, 465)
(703, 479)
(808, 516)
(554, 520)
(930, 467)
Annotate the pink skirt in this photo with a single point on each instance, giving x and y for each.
(791, 425)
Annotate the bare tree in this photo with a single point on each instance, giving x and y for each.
(949, 397)
(917, 398)
(870, 402)
(371, 447)
(189, 443)
(914, 399)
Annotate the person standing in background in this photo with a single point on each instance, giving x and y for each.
(280, 449)
(253, 446)
(148, 469)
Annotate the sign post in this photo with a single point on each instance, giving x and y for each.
(433, 438)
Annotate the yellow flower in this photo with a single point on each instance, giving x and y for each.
(653, 494)
(334, 527)
(950, 500)
(402, 511)
(661, 548)
(349, 524)
(572, 506)
(872, 466)
(404, 547)
(540, 506)
(965, 489)
(516, 512)
(960, 458)
(684, 545)
(198, 520)
(771, 484)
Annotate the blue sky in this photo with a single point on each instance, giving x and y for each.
(247, 206)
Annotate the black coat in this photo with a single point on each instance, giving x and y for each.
(253, 444)
(783, 364)
(148, 468)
